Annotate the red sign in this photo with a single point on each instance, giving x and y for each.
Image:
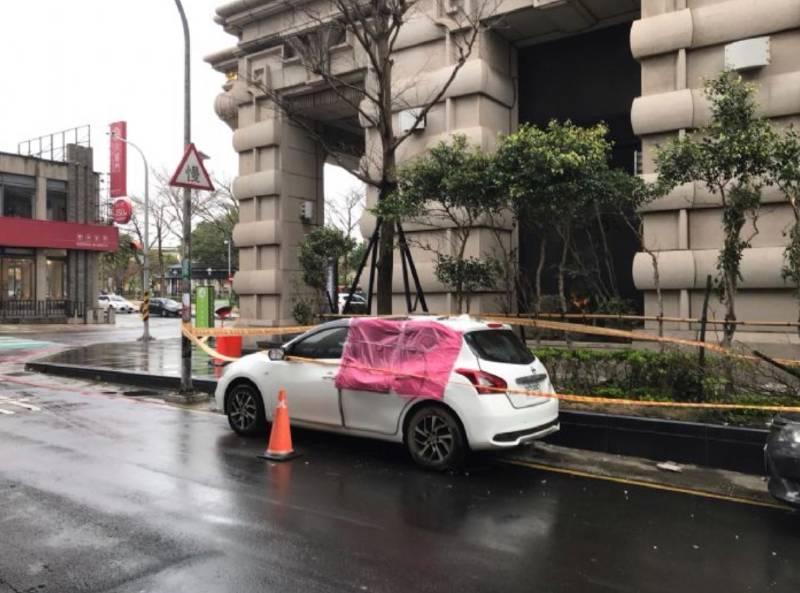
(122, 210)
(27, 232)
(191, 173)
(119, 159)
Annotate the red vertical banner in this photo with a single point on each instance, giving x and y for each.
(118, 163)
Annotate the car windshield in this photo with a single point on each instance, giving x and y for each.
(171, 303)
(499, 345)
(116, 298)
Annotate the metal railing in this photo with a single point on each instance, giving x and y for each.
(54, 146)
(47, 309)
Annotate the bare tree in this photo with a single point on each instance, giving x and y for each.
(345, 214)
(374, 28)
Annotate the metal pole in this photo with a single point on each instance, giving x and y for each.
(146, 247)
(186, 264)
(229, 259)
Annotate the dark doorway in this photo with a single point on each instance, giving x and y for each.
(587, 78)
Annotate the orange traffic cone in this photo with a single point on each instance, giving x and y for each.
(280, 437)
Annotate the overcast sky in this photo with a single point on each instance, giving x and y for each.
(70, 63)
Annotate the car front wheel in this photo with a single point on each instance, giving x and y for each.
(245, 410)
(435, 439)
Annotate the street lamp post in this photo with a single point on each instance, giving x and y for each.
(228, 243)
(186, 264)
(146, 247)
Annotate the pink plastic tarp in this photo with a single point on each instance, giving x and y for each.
(412, 358)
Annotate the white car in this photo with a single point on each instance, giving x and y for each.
(473, 414)
(358, 303)
(116, 302)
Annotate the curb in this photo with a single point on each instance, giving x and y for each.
(137, 378)
(724, 447)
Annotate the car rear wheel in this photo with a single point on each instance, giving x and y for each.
(245, 410)
(435, 439)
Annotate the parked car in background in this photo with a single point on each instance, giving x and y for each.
(358, 304)
(116, 302)
(163, 307)
(782, 458)
(475, 411)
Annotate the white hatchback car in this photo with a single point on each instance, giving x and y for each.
(474, 412)
(116, 302)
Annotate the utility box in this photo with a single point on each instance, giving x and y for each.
(748, 54)
(204, 306)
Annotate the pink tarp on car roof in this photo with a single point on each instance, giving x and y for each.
(413, 358)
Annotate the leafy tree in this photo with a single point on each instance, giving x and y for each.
(552, 175)
(730, 157)
(451, 186)
(316, 251)
(785, 173)
(121, 265)
(208, 245)
(466, 276)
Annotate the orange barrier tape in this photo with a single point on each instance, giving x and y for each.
(246, 331)
(570, 397)
(578, 328)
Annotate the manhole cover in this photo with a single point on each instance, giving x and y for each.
(139, 393)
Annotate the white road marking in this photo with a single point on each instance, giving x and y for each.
(20, 404)
(7, 412)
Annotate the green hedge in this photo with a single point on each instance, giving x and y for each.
(672, 375)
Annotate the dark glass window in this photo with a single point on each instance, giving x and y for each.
(328, 343)
(18, 201)
(56, 200)
(499, 345)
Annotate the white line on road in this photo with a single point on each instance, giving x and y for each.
(19, 403)
(6, 412)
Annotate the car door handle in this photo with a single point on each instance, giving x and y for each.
(330, 377)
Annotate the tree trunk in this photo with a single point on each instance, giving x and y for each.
(609, 264)
(562, 265)
(388, 179)
(730, 313)
(539, 269)
(385, 260)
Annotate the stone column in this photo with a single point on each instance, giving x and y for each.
(280, 183)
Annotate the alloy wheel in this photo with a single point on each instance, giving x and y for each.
(242, 410)
(434, 439)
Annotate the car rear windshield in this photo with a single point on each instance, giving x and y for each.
(499, 345)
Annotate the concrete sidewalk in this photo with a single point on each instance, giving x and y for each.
(157, 364)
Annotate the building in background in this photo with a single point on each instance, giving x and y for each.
(638, 65)
(51, 233)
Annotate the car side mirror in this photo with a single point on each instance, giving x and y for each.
(276, 354)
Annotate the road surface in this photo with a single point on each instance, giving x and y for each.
(100, 492)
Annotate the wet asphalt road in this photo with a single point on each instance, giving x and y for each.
(105, 493)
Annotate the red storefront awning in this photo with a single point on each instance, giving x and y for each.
(51, 234)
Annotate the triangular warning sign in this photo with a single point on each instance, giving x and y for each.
(191, 173)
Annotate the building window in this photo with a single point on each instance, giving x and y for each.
(17, 195)
(18, 281)
(56, 278)
(56, 200)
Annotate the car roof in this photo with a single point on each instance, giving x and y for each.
(462, 323)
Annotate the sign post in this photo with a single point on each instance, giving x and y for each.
(190, 174)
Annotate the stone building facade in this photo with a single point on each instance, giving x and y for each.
(51, 233)
(638, 64)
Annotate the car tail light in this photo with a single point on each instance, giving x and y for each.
(484, 382)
